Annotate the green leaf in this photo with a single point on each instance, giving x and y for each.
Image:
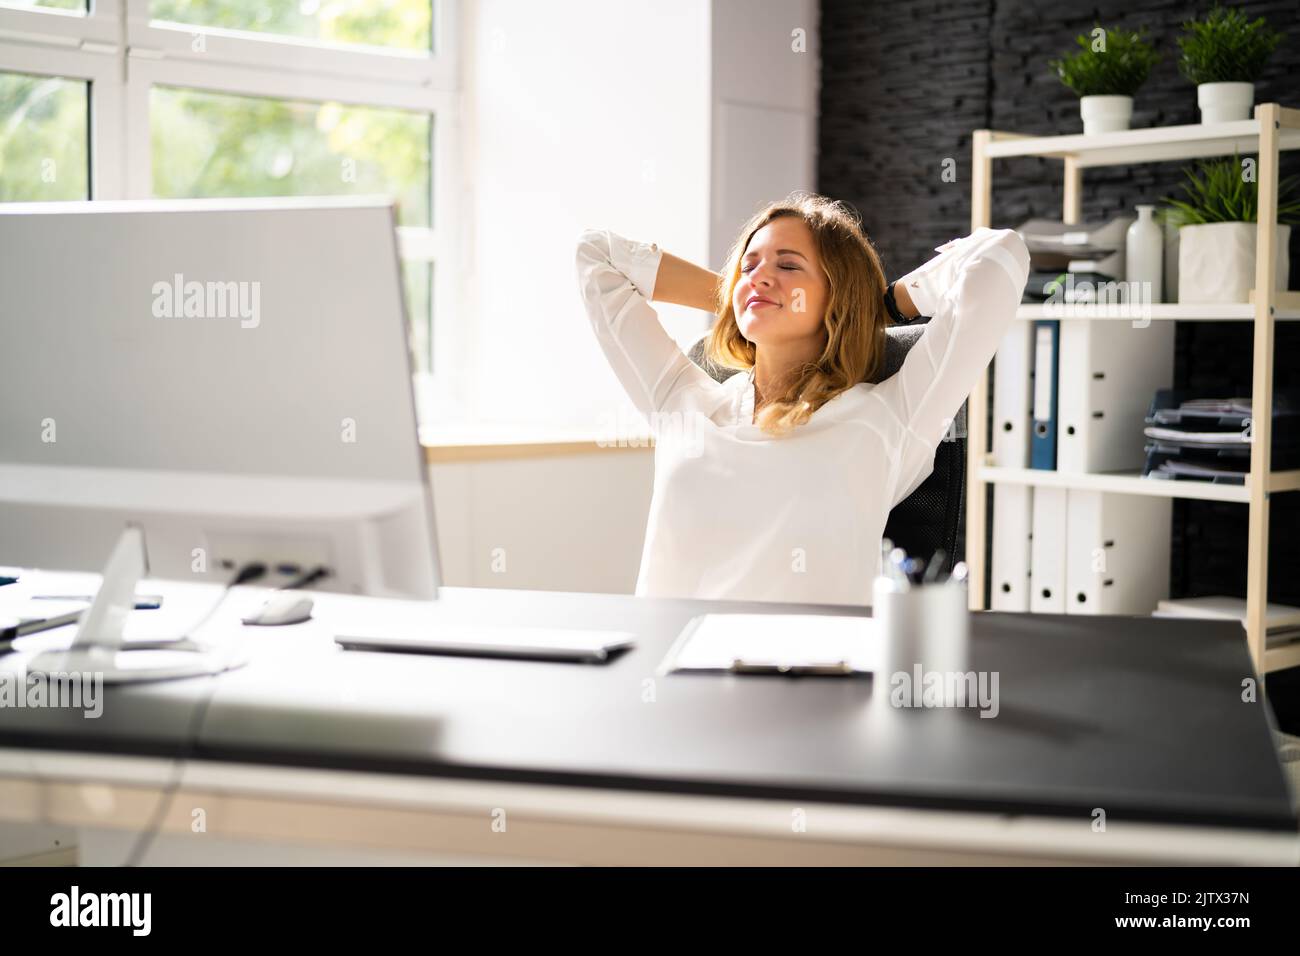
(1118, 70)
(1225, 47)
(1215, 191)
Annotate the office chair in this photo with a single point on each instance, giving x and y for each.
(932, 516)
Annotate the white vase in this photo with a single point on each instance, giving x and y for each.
(1225, 102)
(1216, 261)
(1144, 247)
(1105, 114)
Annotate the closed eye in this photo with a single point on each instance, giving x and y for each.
(787, 265)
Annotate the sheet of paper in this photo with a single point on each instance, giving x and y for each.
(780, 639)
(1197, 438)
(1221, 607)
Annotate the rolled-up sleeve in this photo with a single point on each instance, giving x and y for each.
(970, 290)
(616, 277)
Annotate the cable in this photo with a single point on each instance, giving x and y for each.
(249, 572)
(311, 577)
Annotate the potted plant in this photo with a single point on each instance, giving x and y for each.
(1105, 72)
(1224, 54)
(1216, 231)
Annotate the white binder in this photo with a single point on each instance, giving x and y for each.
(1117, 552)
(1012, 388)
(1012, 523)
(1047, 552)
(1109, 371)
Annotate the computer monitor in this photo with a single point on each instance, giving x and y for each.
(231, 377)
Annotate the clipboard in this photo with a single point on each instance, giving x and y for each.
(791, 645)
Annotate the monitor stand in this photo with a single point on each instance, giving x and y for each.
(99, 646)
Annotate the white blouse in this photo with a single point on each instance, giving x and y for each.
(738, 514)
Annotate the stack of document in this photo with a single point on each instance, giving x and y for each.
(1191, 436)
(1088, 253)
(1278, 630)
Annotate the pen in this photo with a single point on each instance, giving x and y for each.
(912, 568)
(897, 560)
(8, 633)
(828, 669)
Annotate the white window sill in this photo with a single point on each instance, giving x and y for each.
(490, 441)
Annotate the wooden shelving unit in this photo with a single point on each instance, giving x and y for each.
(1274, 128)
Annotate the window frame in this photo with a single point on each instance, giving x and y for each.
(101, 26)
(77, 46)
(122, 55)
(396, 66)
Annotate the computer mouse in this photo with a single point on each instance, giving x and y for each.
(282, 607)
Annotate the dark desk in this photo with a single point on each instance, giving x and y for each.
(1141, 717)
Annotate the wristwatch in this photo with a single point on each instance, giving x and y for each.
(892, 306)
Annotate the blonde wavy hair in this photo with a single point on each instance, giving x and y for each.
(854, 319)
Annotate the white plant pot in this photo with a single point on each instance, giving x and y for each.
(1225, 102)
(1105, 114)
(1171, 262)
(1216, 261)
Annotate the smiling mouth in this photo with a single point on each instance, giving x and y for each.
(755, 303)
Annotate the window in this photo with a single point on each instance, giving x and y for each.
(73, 5)
(383, 23)
(214, 144)
(234, 98)
(44, 138)
(418, 280)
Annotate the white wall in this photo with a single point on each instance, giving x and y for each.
(571, 523)
(764, 110)
(584, 113)
(665, 120)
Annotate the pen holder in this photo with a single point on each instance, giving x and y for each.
(926, 624)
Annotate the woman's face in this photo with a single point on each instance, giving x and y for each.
(781, 293)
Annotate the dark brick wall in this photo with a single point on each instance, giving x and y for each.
(905, 82)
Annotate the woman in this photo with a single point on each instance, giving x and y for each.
(776, 485)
